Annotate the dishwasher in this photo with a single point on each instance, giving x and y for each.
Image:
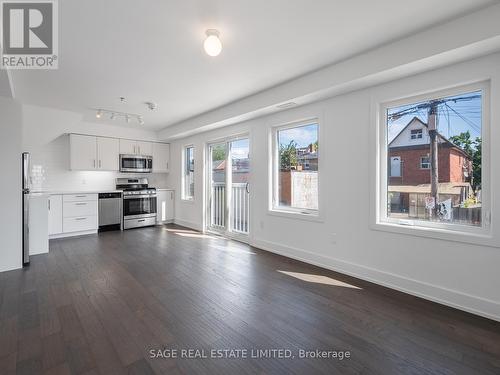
(110, 211)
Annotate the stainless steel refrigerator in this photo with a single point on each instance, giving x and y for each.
(26, 166)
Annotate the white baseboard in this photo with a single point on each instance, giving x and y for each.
(188, 224)
(462, 301)
(72, 234)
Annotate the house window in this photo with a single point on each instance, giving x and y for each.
(188, 173)
(416, 134)
(295, 168)
(425, 162)
(448, 196)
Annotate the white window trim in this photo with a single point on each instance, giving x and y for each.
(185, 198)
(428, 163)
(483, 235)
(291, 212)
(420, 135)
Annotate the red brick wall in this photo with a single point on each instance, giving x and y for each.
(413, 175)
(457, 162)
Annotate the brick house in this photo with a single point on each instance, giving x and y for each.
(409, 167)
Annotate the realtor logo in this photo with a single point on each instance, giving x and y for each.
(29, 34)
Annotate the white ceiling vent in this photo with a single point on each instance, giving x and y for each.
(286, 105)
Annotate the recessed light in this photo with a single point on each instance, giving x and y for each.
(98, 113)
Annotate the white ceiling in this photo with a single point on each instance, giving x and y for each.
(152, 50)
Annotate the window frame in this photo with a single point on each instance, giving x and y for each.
(185, 197)
(276, 209)
(428, 163)
(453, 232)
(419, 135)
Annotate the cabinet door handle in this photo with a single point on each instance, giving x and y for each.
(80, 204)
(80, 196)
(80, 218)
(94, 163)
(49, 204)
(99, 163)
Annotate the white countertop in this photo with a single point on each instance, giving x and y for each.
(64, 192)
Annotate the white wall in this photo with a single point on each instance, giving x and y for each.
(45, 137)
(10, 190)
(458, 274)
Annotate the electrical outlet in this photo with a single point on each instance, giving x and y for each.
(333, 238)
(84, 182)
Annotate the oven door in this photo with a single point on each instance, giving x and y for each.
(134, 163)
(139, 206)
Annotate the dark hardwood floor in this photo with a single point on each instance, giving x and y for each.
(99, 304)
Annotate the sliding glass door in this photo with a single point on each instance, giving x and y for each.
(229, 191)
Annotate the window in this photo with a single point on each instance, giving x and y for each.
(416, 134)
(295, 168)
(425, 162)
(445, 188)
(188, 173)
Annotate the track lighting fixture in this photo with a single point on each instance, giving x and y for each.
(115, 114)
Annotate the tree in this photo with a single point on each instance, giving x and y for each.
(288, 156)
(219, 153)
(473, 149)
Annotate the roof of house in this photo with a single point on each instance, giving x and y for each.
(440, 136)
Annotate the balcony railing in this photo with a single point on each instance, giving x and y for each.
(240, 211)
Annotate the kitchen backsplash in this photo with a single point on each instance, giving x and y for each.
(50, 171)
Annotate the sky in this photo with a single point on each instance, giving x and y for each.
(303, 135)
(240, 149)
(453, 119)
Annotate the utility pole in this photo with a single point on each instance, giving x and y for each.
(432, 125)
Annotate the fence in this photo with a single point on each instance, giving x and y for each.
(240, 207)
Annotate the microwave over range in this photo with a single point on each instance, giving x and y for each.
(136, 163)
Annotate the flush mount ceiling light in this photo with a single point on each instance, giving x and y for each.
(151, 105)
(115, 114)
(212, 44)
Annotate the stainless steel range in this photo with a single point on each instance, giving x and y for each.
(139, 202)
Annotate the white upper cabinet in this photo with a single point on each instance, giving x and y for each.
(108, 154)
(145, 148)
(161, 157)
(131, 147)
(88, 153)
(91, 153)
(128, 147)
(83, 152)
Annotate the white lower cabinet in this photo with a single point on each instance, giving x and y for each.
(72, 214)
(79, 224)
(38, 224)
(165, 206)
(55, 214)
